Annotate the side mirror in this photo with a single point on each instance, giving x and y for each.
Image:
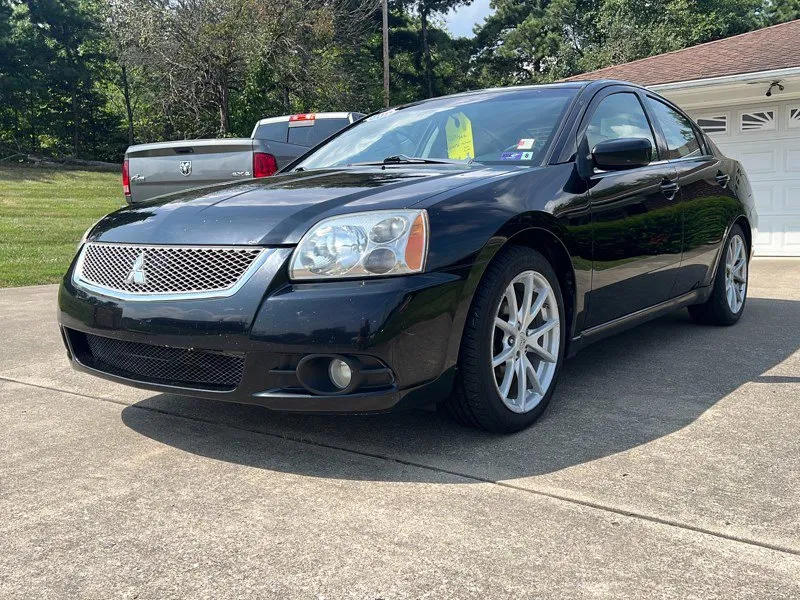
(622, 153)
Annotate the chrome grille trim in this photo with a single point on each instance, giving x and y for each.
(171, 272)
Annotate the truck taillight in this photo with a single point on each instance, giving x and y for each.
(264, 164)
(126, 179)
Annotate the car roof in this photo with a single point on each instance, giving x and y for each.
(580, 84)
(575, 85)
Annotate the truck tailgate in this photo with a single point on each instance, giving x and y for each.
(164, 168)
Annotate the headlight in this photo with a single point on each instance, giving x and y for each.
(368, 244)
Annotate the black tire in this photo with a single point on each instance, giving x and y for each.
(716, 310)
(475, 400)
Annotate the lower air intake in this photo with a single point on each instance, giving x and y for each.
(201, 369)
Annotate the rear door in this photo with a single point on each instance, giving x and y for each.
(636, 220)
(707, 202)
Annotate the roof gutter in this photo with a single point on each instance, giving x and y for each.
(727, 79)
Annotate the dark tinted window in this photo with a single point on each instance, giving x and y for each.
(272, 131)
(678, 130)
(619, 116)
(313, 135)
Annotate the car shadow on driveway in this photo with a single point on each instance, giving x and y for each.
(615, 395)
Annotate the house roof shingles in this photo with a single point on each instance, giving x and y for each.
(776, 47)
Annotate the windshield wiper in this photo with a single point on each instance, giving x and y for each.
(402, 159)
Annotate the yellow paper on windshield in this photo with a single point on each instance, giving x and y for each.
(459, 137)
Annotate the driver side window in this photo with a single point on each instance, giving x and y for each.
(619, 116)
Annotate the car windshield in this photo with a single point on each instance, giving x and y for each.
(493, 127)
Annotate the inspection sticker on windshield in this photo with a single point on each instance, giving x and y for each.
(526, 143)
(527, 156)
(511, 155)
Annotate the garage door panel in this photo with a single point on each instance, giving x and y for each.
(791, 199)
(777, 197)
(778, 236)
(756, 162)
(765, 197)
(792, 160)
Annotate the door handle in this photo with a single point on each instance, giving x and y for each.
(669, 188)
(723, 179)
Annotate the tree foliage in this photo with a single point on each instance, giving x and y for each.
(88, 77)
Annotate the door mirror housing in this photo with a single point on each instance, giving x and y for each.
(622, 154)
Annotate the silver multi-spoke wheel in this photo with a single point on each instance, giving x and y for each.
(525, 341)
(736, 273)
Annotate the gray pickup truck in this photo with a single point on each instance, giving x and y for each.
(152, 170)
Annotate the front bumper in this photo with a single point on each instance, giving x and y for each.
(403, 327)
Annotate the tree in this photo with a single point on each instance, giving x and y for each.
(425, 9)
(205, 54)
(631, 29)
(780, 11)
(536, 40)
(541, 40)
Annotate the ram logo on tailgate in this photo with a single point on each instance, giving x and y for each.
(186, 168)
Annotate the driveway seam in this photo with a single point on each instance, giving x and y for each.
(536, 492)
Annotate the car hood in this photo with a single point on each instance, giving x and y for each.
(279, 210)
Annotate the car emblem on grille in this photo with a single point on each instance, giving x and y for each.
(137, 275)
(186, 168)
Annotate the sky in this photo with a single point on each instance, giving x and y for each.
(461, 21)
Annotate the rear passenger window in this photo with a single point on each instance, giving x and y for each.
(313, 135)
(619, 116)
(678, 130)
(272, 131)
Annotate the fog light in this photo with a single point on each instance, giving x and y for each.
(340, 373)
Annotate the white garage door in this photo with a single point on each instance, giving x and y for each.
(765, 138)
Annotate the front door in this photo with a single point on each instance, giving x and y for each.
(637, 226)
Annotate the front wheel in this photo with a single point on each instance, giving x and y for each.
(513, 344)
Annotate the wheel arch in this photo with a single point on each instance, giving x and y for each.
(553, 248)
(743, 222)
(543, 235)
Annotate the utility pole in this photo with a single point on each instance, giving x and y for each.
(385, 10)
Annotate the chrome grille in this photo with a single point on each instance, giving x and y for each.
(138, 270)
(162, 364)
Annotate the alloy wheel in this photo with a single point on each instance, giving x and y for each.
(736, 274)
(525, 341)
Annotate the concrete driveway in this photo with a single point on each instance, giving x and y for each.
(668, 465)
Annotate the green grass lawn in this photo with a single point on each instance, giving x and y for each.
(43, 214)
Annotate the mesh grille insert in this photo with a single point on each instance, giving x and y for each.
(161, 364)
(145, 270)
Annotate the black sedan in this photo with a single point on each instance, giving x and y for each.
(454, 250)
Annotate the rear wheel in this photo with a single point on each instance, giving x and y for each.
(513, 344)
(729, 294)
